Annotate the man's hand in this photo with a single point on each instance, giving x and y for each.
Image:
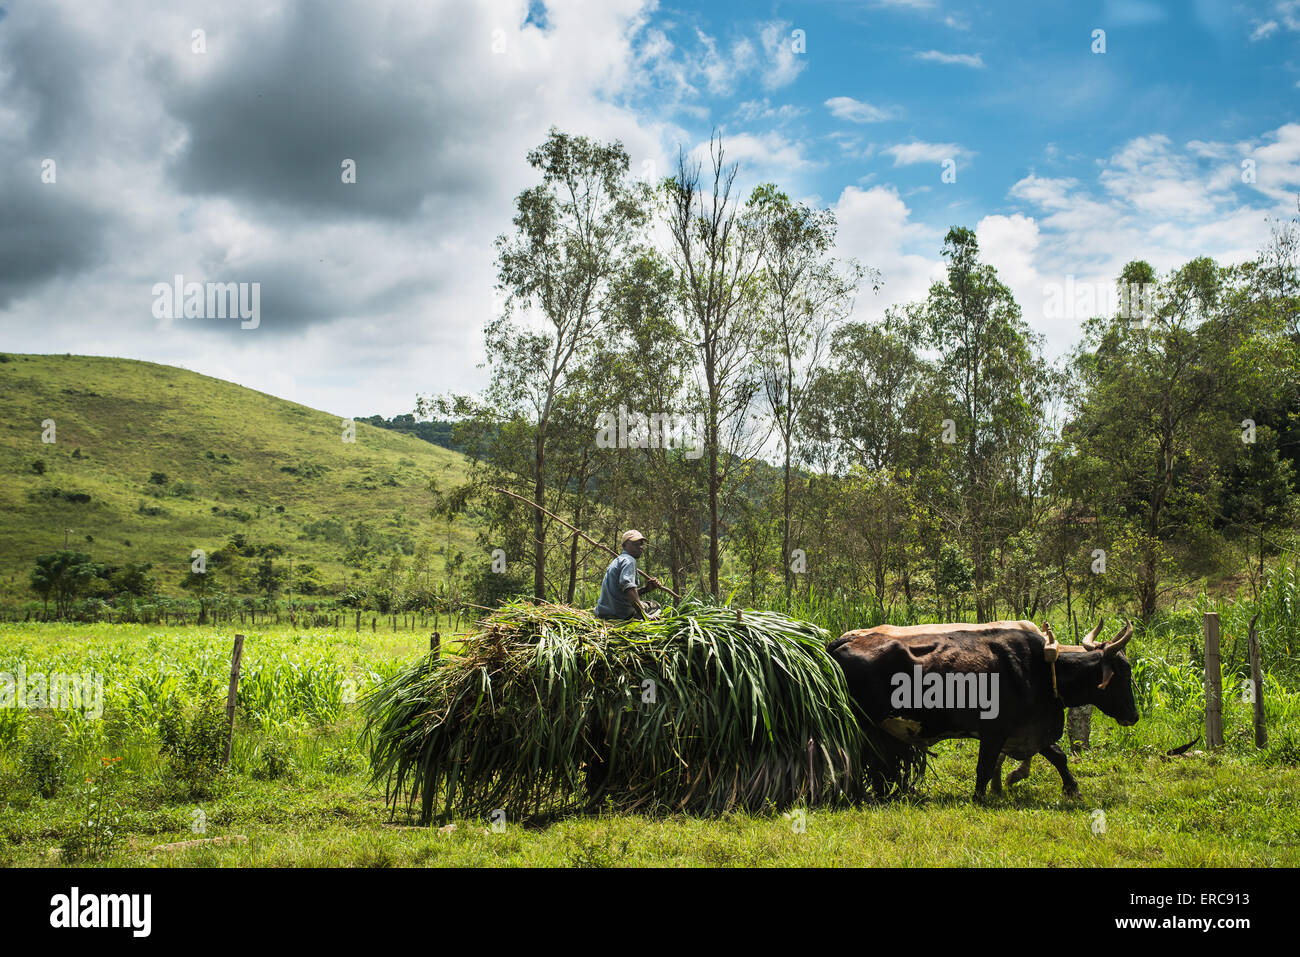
(651, 583)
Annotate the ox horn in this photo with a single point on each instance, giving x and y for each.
(1116, 644)
(1050, 650)
(1089, 640)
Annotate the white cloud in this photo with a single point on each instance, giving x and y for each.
(1044, 192)
(752, 110)
(856, 111)
(1010, 245)
(1265, 29)
(852, 145)
(761, 155)
(1288, 11)
(956, 59)
(907, 154)
(783, 63)
(875, 227)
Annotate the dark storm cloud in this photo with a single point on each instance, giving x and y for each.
(42, 74)
(294, 296)
(45, 231)
(314, 87)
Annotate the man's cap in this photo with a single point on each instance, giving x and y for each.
(631, 535)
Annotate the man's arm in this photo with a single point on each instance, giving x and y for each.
(634, 596)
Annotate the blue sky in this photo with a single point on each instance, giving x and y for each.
(1015, 86)
(1008, 90)
(223, 163)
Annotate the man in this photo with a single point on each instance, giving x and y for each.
(620, 596)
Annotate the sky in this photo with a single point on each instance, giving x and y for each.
(141, 141)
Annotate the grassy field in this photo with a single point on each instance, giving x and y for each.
(234, 460)
(297, 792)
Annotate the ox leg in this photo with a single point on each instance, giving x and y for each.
(986, 766)
(1054, 754)
(1020, 772)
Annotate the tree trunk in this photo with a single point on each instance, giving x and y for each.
(539, 545)
(785, 525)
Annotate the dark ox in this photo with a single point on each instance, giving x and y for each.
(1030, 707)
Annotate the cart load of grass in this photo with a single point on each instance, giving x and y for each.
(547, 709)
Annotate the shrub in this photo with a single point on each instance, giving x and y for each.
(96, 833)
(274, 761)
(45, 758)
(1284, 749)
(340, 761)
(181, 489)
(194, 738)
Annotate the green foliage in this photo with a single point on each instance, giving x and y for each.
(64, 576)
(97, 831)
(340, 761)
(11, 727)
(952, 573)
(182, 489)
(45, 757)
(193, 736)
(1284, 748)
(274, 760)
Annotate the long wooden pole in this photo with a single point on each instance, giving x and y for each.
(579, 531)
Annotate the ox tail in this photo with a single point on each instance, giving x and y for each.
(893, 767)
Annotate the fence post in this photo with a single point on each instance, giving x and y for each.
(1213, 683)
(236, 658)
(1257, 679)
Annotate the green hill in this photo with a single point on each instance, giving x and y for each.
(151, 461)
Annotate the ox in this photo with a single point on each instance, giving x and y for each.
(1005, 682)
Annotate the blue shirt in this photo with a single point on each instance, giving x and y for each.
(619, 576)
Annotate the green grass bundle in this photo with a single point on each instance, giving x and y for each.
(549, 710)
